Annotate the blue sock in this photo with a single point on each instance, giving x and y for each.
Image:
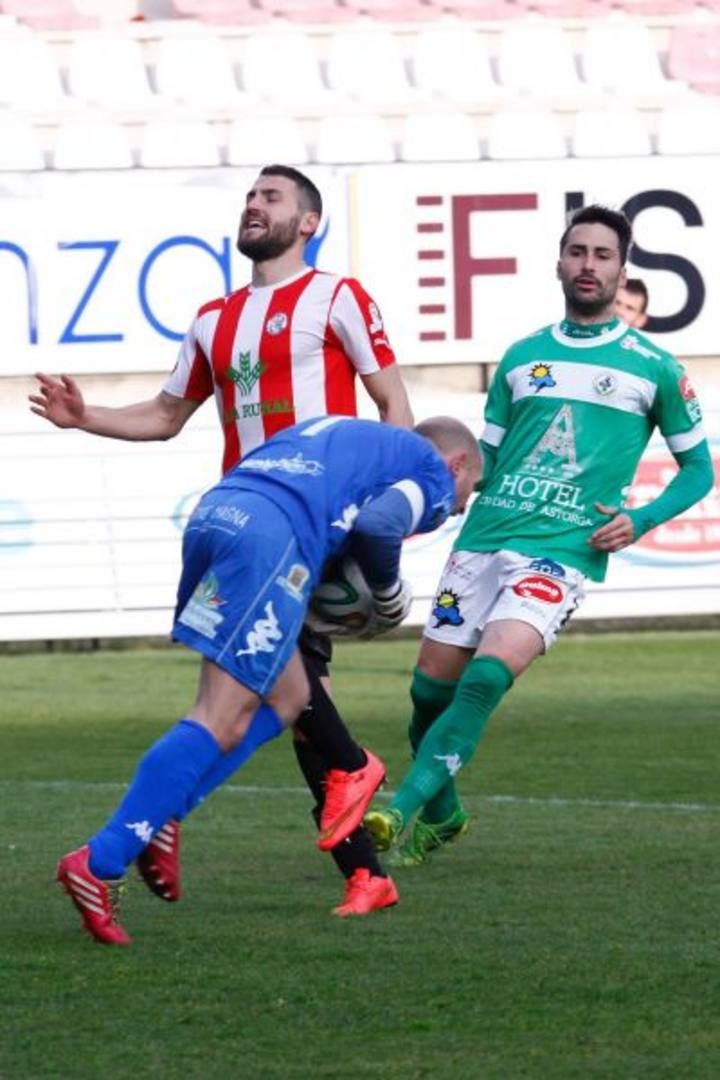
(264, 726)
(166, 775)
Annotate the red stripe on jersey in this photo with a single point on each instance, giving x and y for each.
(222, 351)
(275, 355)
(373, 321)
(340, 396)
(200, 383)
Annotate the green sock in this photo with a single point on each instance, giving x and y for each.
(450, 742)
(430, 697)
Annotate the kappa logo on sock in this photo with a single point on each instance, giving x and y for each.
(452, 761)
(142, 829)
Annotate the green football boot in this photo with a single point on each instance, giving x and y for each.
(384, 826)
(425, 838)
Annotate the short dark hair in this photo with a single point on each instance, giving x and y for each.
(638, 287)
(602, 215)
(310, 197)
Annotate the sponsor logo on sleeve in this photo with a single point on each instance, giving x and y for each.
(689, 397)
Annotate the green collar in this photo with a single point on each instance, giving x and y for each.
(587, 330)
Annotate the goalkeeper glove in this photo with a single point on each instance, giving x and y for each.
(390, 607)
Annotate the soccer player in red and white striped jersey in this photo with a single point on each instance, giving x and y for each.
(286, 347)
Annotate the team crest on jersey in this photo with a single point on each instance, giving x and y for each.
(277, 323)
(446, 609)
(541, 377)
(605, 383)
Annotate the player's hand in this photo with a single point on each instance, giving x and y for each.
(617, 534)
(59, 401)
(390, 609)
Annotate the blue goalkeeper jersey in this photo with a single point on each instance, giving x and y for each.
(321, 473)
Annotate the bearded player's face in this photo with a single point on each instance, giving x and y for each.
(272, 221)
(590, 270)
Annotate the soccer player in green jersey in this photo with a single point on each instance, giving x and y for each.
(568, 415)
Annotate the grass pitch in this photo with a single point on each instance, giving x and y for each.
(571, 934)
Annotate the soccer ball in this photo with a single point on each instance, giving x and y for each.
(344, 599)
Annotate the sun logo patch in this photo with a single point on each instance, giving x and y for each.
(541, 376)
(446, 609)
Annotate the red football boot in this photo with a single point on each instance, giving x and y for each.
(95, 899)
(159, 863)
(347, 797)
(366, 892)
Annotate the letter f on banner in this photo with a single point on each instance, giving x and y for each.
(465, 266)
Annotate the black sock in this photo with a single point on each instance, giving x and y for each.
(323, 727)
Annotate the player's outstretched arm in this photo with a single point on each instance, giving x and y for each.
(60, 401)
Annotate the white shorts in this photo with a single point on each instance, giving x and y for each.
(480, 587)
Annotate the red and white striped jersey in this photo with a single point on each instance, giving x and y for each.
(279, 354)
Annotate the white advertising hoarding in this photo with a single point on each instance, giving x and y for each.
(103, 272)
(90, 533)
(462, 257)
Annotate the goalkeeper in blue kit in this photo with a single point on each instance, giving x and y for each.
(253, 551)
(569, 413)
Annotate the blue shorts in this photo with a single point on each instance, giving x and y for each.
(244, 587)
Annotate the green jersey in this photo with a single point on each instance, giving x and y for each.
(569, 413)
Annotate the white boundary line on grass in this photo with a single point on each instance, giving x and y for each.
(497, 800)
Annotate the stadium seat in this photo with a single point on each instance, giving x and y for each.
(694, 56)
(178, 143)
(20, 147)
(366, 65)
(345, 140)
(29, 76)
(49, 14)
(109, 70)
(393, 10)
(567, 9)
(282, 66)
(523, 134)
(224, 12)
(91, 143)
(691, 128)
(259, 140)
(619, 55)
(106, 12)
(644, 9)
(451, 63)
(483, 9)
(439, 136)
(614, 131)
(195, 68)
(307, 11)
(535, 58)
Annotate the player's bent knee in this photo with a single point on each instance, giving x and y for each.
(484, 682)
